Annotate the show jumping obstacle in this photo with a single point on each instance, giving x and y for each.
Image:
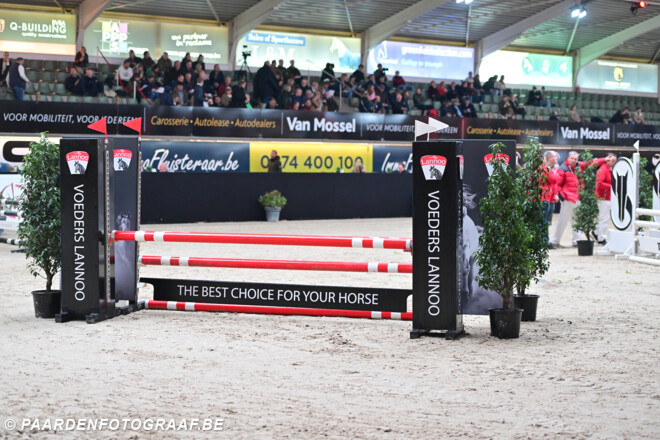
(94, 190)
(11, 241)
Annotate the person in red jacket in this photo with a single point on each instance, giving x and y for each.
(603, 186)
(568, 186)
(549, 197)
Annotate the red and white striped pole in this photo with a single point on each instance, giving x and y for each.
(269, 310)
(288, 240)
(334, 266)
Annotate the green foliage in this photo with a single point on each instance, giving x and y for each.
(586, 213)
(645, 188)
(506, 238)
(40, 227)
(531, 179)
(273, 199)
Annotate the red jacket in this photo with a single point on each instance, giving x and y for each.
(568, 183)
(603, 182)
(550, 188)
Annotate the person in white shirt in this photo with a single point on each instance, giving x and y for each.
(16, 79)
(125, 71)
(469, 79)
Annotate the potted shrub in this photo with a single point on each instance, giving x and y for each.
(39, 229)
(531, 180)
(272, 201)
(586, 213)
(504, 244)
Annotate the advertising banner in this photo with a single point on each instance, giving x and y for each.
(510, 129)
(628, 134)
(310, 52)
(62, 117)
(422, 60)
(576, 133)
(37, 32)
(526, 68)
(311, 157)
(236, 122)
(196, 157)
(619, 75)
(387, 158)
(116, 37)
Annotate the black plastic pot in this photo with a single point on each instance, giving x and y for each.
(46, 303)
(505, 323)
(528, 303)
(585, 248)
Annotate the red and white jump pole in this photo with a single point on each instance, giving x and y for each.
(334, 266)
(268, 310)
(288, 240)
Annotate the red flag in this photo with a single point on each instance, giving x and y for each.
(135, 124)
(99, 126)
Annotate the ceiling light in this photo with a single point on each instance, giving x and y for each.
(579, 13)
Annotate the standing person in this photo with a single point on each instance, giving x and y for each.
(274, 163)
(82, 59)
(16, 79)
(238, 96)
(568, 186)
(603, 186)
(4, 68)
(549, 196)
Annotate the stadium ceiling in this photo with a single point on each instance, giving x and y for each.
(609, 28)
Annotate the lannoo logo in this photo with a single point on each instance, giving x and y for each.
(489, 158)
(433, 167)
(77, 161)
(122, 159)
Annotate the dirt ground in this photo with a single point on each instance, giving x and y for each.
(587, 368)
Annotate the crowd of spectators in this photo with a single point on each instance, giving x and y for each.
(276, 86)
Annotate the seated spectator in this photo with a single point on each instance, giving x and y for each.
(148, 88)
(328, 73)
(573, 115)
(166, 97)
(447, 110)
(470, 78)
(292, 71)
(295, 105)
(187, 67)
(517, 108)
(506, 110)
(621, 117)
(199, 62)
(216, 101)
(73, 84)
(329, 103)
(317, 102)
(359, 167)
(638, 117)
(298, 97)
(477, 84)
(380, 72)
(400, 83)
(546, 100)
(473, 93)
(172, 75)
(342, 86)
(82, 59)
(147, 61)
(367, 105)
(165, 65)
(132, 59)
(418, 101)
(271, 104)
(432, 113)
(553, 116)
(499, 86)
(185, 59)
(405, 97)
(489, 85)
(304, 86)
(467, 108)
(91, 86)
(216, 77)
(180, 95)
(358, 74)
(138, 72)
(238, 95)
(457, 106)
(398, 105)
(125, 72)
(225, 100)
(432, 92)
(384, 96)
(285, 97)
(226, 84)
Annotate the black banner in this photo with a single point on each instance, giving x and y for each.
(83, 253)
(280, 295)
(126, 166)
(438, 237)
(64, 118)
(628, 134)
(516, 129)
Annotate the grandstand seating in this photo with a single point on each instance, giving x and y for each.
(48, 80)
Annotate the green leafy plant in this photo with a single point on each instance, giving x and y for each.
(531, 180)
(272, 199)
(504, 244)
(586, 213)
(40, 226)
